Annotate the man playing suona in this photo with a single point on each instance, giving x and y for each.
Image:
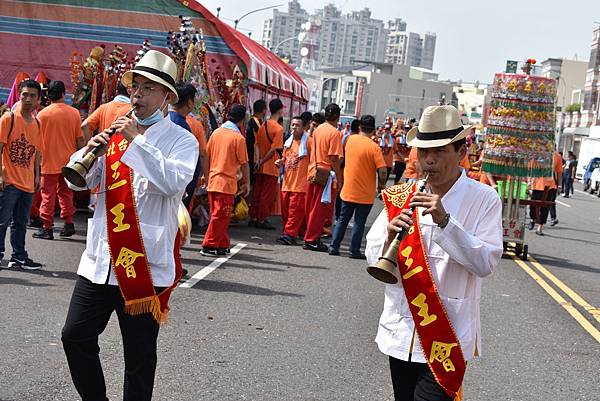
(430, 326)
(131, 263)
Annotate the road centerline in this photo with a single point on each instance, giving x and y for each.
(578, 316)
(196, 278)
(592, 310)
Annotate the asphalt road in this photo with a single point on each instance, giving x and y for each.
(280, 323)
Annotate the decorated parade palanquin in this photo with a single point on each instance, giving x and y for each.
(520, 129)
(519, 143)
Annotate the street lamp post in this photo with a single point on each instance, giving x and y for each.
(282, 42)
(252, 12)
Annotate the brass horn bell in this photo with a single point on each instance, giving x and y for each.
(386, 269)
(76, 173)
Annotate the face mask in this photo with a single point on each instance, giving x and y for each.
(154, 118)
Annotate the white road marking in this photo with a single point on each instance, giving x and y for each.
(563, 204)
(192, 281)
(585, 193)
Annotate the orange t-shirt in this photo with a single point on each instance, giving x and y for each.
(198, 131)
(557, 163)
(464, 163)
(541, 182)
(363, 159)
(296, 169)
(226, 152)
(61, 127)
(328, 143)
(18, 154)
(264, 144)
(106, 114)
(411, 164)
(398, 149)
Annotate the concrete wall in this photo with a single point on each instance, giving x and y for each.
(393, 90)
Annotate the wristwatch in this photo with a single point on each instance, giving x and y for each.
(444, 222)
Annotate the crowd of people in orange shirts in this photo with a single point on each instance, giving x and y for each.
(317, 174)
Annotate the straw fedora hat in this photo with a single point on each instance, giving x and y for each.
(157, 67)
(439, 126)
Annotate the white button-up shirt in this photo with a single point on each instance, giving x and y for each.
(163, 160)
(467, 249)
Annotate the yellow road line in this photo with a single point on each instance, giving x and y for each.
(595, 312)
(594, 332)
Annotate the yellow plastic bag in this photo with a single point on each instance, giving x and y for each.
(240, 211)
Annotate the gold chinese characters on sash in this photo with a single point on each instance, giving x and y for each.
(127, 252)
(436, 334)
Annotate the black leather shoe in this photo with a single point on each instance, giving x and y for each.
(42, 233)
(315, 246)
(357, 255)
(68, 230)
(35, 222)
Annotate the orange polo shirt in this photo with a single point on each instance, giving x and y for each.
(411, 164)
(541, 182)
(106, 114)
(18, 154)
(363, 159)
(296, 169)
(198, 131)
(264, 144)
(61, 128)
(557, 164)
(325, 142)
(464, 163)
(226, 153)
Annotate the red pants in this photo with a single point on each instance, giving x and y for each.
(35, 207)
(263, 196)
(221, 208)
(317, 212)
(293, 206)
(53, 186)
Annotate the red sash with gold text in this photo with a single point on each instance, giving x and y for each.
(436, 334)
(127, 252)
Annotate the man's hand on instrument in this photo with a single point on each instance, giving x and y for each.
(401, 222)
(126, 127)
(99, 140)
(432, 204)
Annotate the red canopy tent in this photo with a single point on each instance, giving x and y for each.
(41, 35)
(268, 76)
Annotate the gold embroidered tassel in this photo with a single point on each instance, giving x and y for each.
(145, 305)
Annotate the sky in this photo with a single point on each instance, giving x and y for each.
(474, 37)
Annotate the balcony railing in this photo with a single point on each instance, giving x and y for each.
(581, 119)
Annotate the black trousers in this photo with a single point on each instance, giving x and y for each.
(89, 313)
(399, 168)
(543, 211)
(414, 382)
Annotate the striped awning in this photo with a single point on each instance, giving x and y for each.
(264, 67)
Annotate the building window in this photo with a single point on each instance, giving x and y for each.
(350, 88)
